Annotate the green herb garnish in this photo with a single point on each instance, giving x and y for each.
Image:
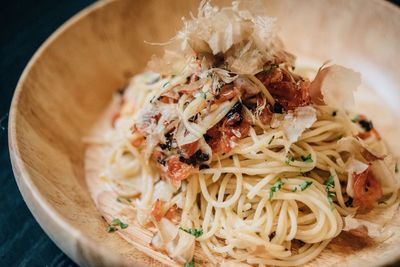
(289, 159)
(330, 184)
(124, 200)
(305, 185)
(165, 84)
(294, 189)
(193, 231)
(275, 188)
(272, 139)
(112, 227)
(190, 263)
(307, 158)
(203, 94)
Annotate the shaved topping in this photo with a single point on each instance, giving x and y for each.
(154, 122)
(246, 86)
(359, 148)
(296, 122)
(335, 86)
(248, 41)
(355, 166)
(363, 228)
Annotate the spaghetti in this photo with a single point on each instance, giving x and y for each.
(252, 163)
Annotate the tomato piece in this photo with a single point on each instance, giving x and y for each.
(376, 133)
(158, 210)
(137, 140)
(189, 149)
(171, 212)
(286, 91)
(222, 137)
(227, 93)
(166, 100)
(265, 116)
(177, 170)
(367, 189)
(364, 135)
(237, 132)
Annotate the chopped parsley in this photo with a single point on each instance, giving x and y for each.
(305, 185)
(307, 158)
(112, 227)
(366, 125)
(194, 232)
(117, 221)
(272, 139)
(330, 184)
(165, 84)
(289, 159)
(275, 188)
(203, 94)
(334, 113)
(124, 200)
(152, 99)
(190, 263)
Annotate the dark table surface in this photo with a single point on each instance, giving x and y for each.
(24, 25)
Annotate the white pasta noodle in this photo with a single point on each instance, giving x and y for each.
(263, 179)
(232, 200)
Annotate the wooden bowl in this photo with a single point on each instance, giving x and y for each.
(71, 78)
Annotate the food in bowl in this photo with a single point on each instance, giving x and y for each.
(223, 152)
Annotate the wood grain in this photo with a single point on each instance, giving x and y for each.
(70, 80)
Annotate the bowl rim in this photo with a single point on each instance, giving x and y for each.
(23, 178)
(32, 197)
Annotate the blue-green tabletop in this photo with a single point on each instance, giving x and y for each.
(24, 26)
